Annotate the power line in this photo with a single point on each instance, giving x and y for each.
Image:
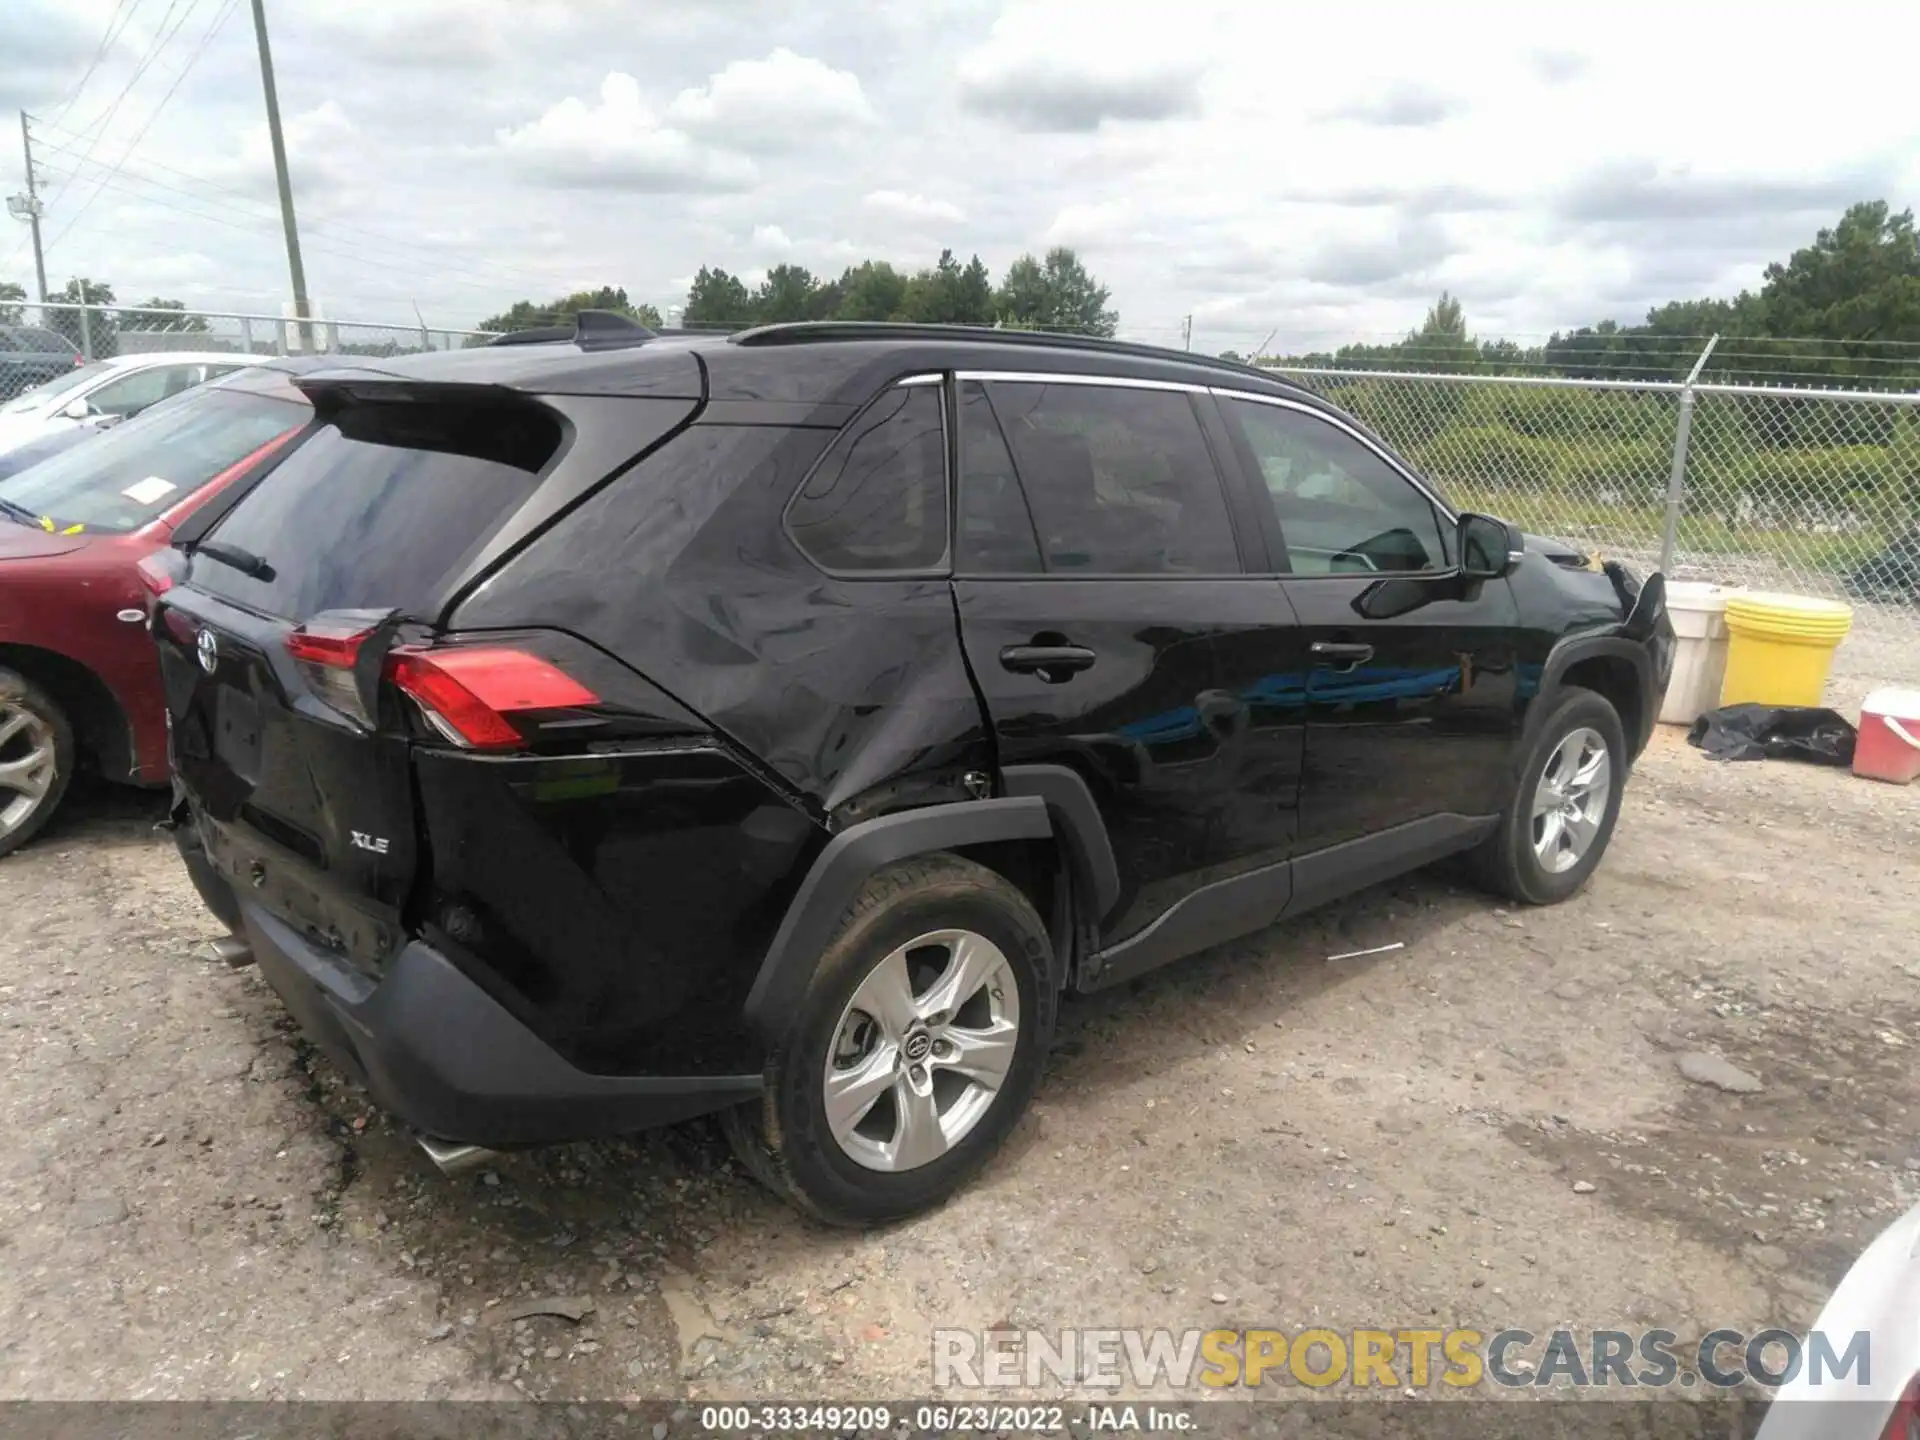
(325, 227)
(139, 135)
(481, 278)
(262, 226)
(107, 39)
(104, 119)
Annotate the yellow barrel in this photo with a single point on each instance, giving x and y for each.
(1780, 647)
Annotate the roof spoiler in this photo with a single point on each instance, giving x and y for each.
(591, 330)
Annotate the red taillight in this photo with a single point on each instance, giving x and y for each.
(1904, 1422)
(156, 572)
(327, 645)
(326, 655)
(468, 692)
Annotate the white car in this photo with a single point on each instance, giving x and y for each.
(1878, 1399)
(107, 391)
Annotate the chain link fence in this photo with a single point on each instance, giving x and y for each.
(42, 342)
(1812, 491)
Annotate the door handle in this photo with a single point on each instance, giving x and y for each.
(1339, 655)
(1054, 664)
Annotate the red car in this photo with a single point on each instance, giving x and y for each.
(79, 679)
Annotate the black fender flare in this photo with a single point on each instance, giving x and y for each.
(842, 867)
(1083, 834)
(1614, 644)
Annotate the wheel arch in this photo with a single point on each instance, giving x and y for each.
(1615, 667)
(844, 865)
(102, 731)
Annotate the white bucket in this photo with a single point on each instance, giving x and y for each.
(1699, 614)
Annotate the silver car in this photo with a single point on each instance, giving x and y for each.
(1880, 1398)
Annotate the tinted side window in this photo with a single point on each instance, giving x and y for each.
(1341, 508)
(878, 499)
(146, 387)
(997, 534)
(1120, 480)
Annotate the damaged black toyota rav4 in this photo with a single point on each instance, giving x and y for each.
(590, 734)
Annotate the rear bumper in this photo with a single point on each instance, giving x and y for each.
(445, 1057)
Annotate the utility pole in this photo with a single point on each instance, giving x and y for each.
(297, 272)
(29, 206)
(1186, 333)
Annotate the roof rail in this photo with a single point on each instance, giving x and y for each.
(800, 332)
(590, 330)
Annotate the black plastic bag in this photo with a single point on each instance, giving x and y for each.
(1774, 732)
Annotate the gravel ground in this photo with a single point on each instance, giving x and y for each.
(1490, 1126)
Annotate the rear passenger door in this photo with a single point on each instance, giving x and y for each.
(1411, 703)
(1097, 566)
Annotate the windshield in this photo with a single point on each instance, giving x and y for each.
(124, 477)
(40, 395)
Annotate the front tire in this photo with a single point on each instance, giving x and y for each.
(36, 759)
(914, 1051)
(1561, 818)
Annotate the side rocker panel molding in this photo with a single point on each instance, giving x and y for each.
(842, 868)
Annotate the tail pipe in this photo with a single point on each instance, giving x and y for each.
(453, 1158)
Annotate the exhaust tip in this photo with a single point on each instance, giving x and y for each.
(233, 952)
(453, 1158)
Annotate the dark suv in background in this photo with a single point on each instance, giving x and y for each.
(31, 355)
(583, 736)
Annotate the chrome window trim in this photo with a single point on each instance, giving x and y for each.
(1047, 377)
(927, 379)
(1334, 420)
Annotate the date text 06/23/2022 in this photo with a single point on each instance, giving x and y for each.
(989, 1418)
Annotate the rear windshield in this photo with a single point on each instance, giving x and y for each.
(380, 507)
(123, 477)
(60, 385)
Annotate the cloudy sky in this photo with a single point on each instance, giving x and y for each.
(1316, 170)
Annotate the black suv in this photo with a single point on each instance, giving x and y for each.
(583, 736)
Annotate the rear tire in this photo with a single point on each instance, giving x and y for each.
(36, 759)
(925, 1029)
(1556, 828)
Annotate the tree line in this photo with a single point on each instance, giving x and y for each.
(1050, 292)
(101, 331)
(1855, 289)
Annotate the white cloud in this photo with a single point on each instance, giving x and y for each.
(1189, 152)
(1090, 225)
(1072, 65)
(771, 240)
(912, 205)
(620, 144)
(783, 102)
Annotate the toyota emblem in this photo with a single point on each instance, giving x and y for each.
(208, 650)
(918, 1044)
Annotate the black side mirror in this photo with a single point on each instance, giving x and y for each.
(1489, 548)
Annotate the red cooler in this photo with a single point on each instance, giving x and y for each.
(1889, 744)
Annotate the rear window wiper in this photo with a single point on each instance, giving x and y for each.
(245, 561)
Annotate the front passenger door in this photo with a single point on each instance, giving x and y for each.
(1411, 707)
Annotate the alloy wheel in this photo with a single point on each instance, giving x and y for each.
(922, 1050)
(1570, 802)
(29, 765)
